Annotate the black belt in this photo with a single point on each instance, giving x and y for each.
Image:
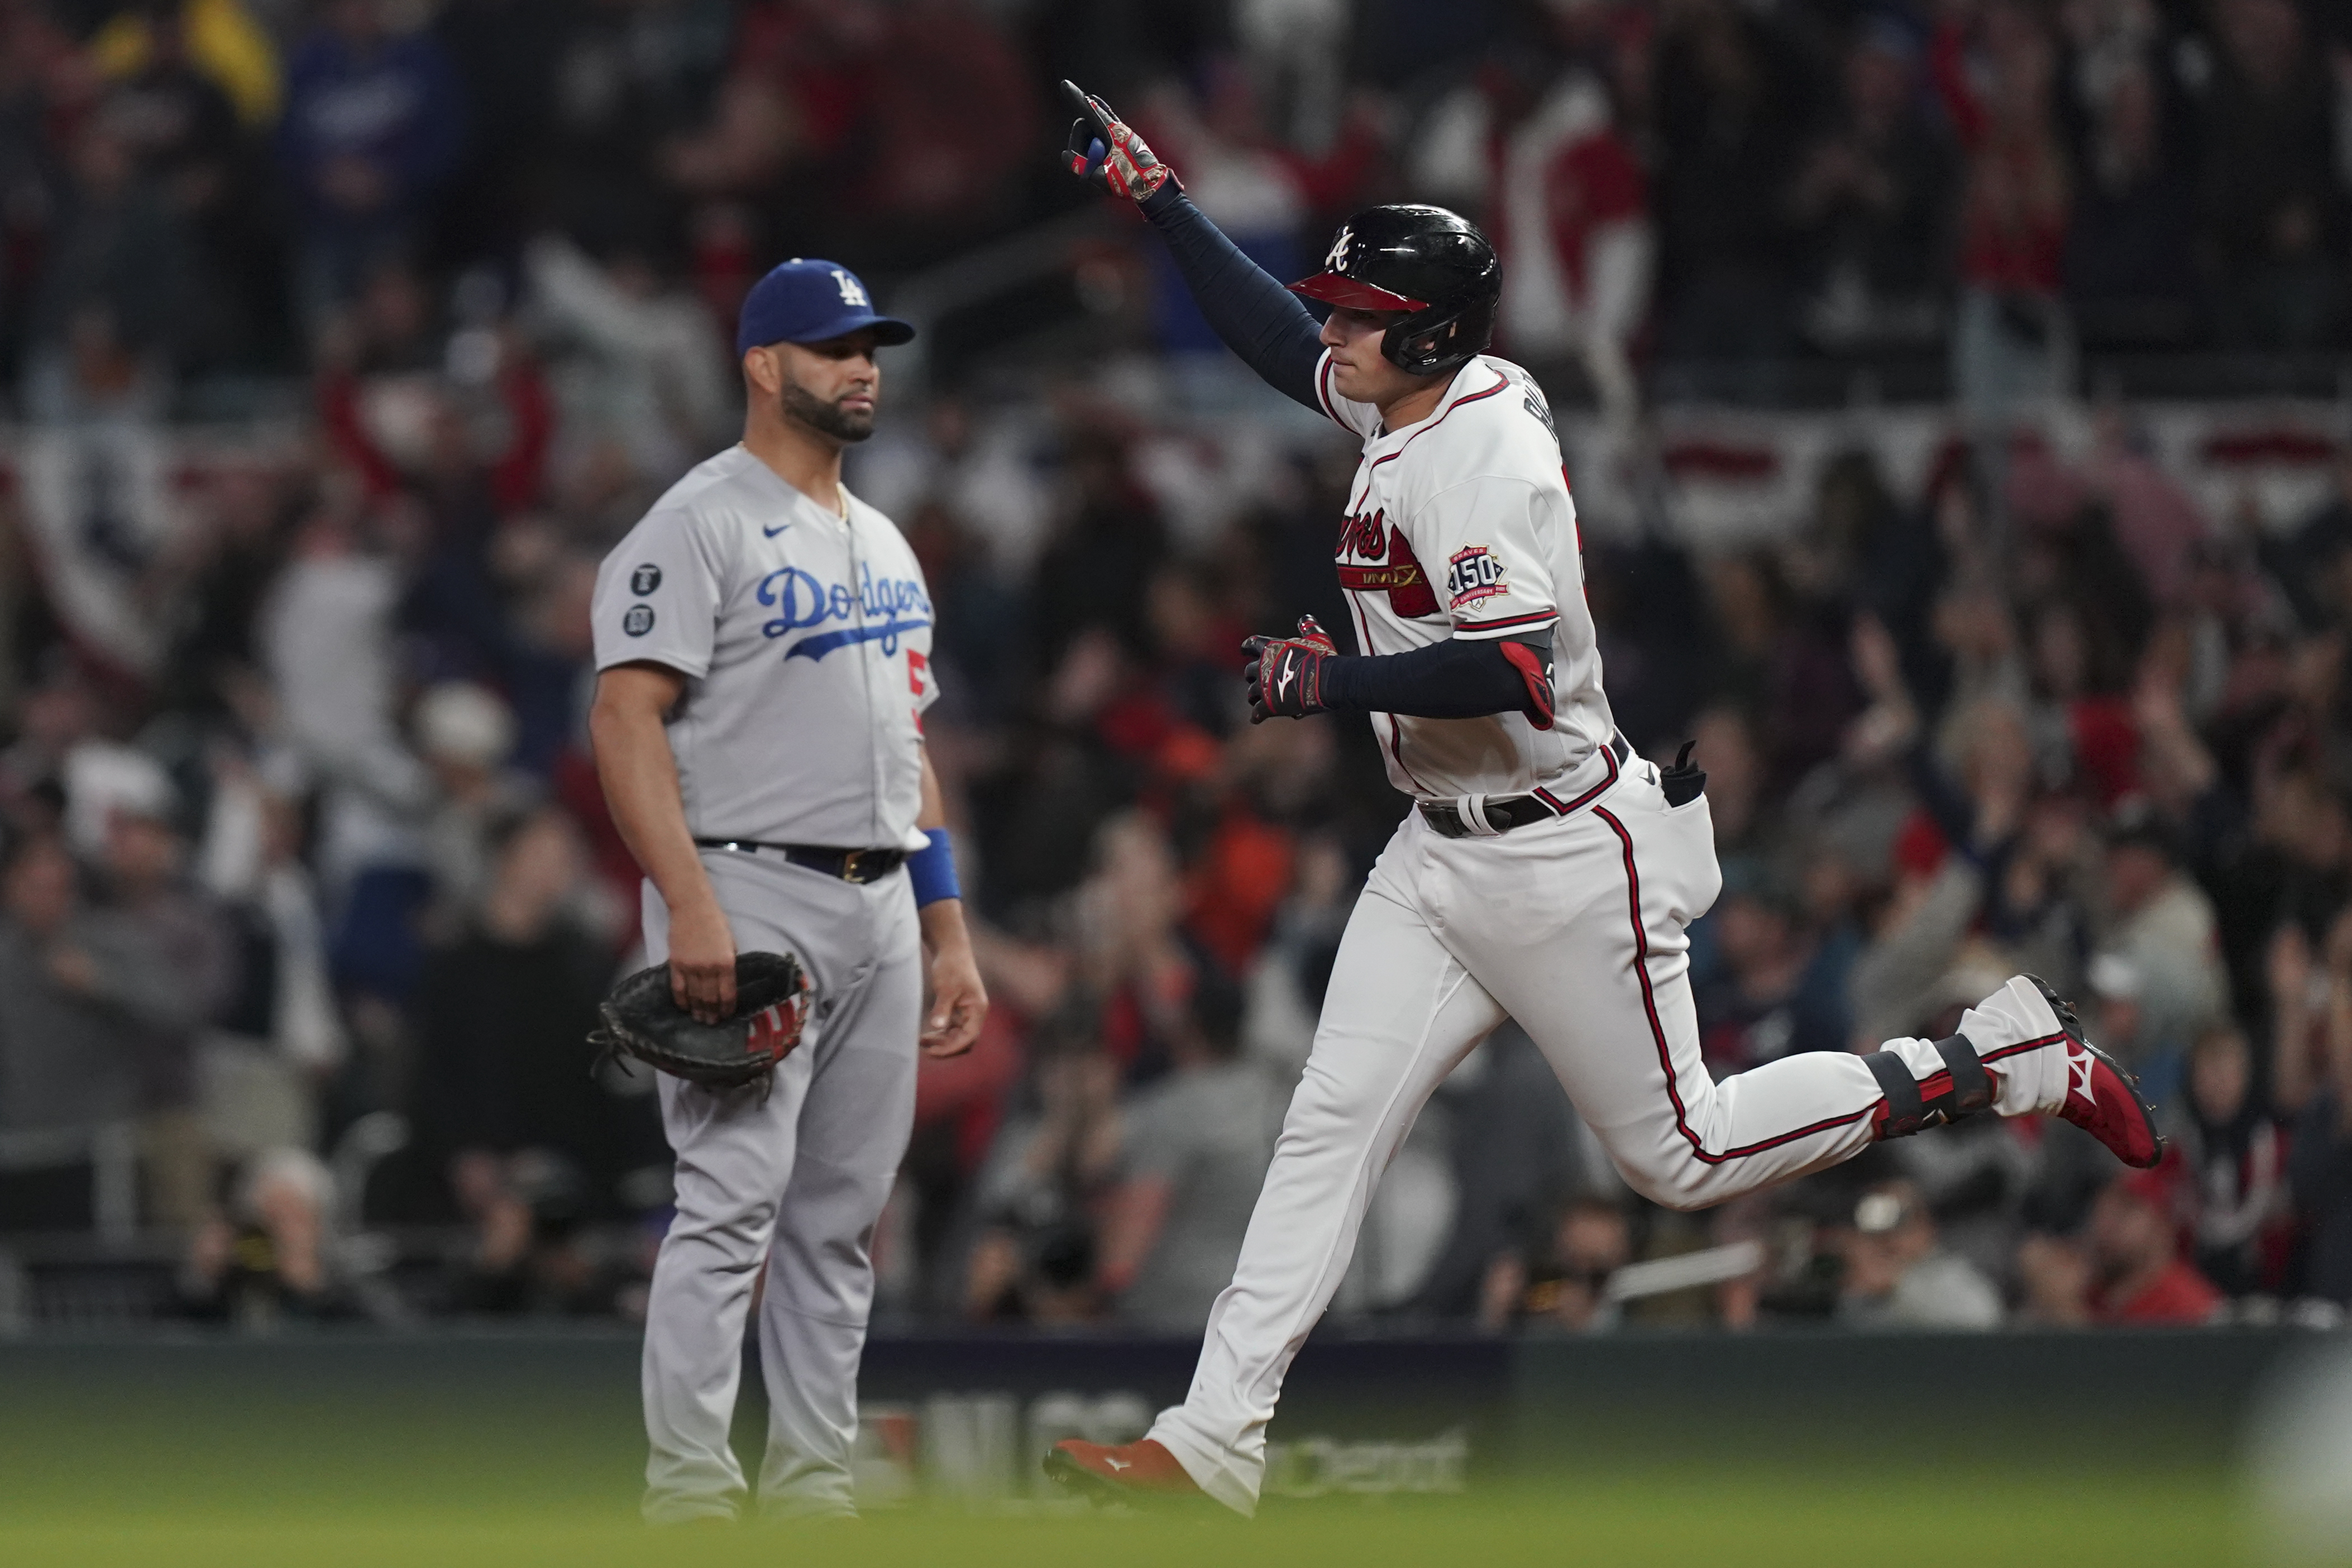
(1504, 812)
(849, 865)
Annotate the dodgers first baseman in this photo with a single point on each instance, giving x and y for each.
(762, 648)
(1547, 874)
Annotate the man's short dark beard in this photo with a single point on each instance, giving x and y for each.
(798, 402)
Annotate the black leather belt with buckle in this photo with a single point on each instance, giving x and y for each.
(1504, 812)
(849, 865)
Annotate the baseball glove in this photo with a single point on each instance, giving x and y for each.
(772, 1006)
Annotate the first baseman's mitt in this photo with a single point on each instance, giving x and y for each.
(772, 1005)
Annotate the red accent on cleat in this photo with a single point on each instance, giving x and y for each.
(1132, 1472)
(2102, 1098)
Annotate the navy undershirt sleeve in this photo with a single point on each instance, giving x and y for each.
(1257, 318)
(1451, 680)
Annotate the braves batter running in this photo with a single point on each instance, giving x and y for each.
(1546, 874)
(762, 648)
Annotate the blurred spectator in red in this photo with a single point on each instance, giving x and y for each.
(1571, 215)
(905, 122)
(374, 125)
(2082, 727)
(2011, 340)
(1136, 976)
(2128, 1266)
(2272, 203)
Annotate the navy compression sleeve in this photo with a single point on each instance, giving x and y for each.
(1451, 680)
(1257, 318)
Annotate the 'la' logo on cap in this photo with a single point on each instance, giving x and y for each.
(851, 294)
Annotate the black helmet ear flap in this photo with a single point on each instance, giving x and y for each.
(1420, 346)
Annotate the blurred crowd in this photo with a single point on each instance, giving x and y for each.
(197, 190)
(308, 890)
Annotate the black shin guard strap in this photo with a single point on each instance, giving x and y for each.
(1904, 1113)
(1972, 1082)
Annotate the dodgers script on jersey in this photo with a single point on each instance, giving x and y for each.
(806, 639)
(1462, 526)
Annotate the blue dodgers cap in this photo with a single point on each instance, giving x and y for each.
(807, 301)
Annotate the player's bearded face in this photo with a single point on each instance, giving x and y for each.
(832, 387)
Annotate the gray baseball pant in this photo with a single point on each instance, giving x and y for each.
(795, 1181)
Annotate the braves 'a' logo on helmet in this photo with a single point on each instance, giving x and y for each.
(1337, 261)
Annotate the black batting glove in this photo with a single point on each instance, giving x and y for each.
(1106, 152)
(1284, 675)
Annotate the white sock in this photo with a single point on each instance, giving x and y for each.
(2030, 1082)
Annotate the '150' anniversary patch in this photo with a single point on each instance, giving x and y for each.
(1472, 576)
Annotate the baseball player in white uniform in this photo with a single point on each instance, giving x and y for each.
(763, 649)
(1547, 874)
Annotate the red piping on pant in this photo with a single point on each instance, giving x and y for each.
(1658, 1031)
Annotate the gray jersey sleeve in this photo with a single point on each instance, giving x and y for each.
(657, 596)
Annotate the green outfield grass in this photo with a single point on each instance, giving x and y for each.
(512, 1455)
(1634, 1520)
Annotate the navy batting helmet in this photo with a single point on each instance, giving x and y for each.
(1433, 264)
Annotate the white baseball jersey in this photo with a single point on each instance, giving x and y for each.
(806, 639)
(1462, 526)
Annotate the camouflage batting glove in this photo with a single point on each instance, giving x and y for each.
(1284, 675)
(1105, 151)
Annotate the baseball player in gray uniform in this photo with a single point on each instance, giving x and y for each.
(763, 649)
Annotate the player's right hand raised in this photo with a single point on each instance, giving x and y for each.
(702, 963)
(1105, 151)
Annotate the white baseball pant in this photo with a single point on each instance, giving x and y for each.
(1575, 928)
(794, 1182)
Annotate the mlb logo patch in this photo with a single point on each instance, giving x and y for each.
(1472, 576)
(639, 621)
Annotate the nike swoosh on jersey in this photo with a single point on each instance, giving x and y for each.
(771, 532)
